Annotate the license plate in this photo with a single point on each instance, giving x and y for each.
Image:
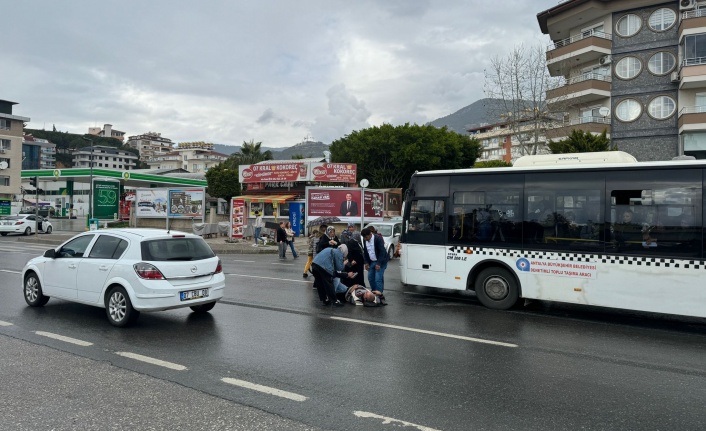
(193, 294)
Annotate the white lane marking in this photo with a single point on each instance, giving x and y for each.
(245, 261)
(3, 323)
(63, 338)
(265, 389)
(387, 420)
(269, 278)
(283, 264)
(424, 331)
(152, 361)
(10, 271)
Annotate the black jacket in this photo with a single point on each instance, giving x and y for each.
(323, 243)
(281, 234)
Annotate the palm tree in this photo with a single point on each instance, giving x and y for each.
(249, 154)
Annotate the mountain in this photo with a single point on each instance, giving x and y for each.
(480, 111)
(306, 149)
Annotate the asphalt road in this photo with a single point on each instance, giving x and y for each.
(270, 354)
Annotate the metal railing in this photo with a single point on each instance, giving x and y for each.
(577, 37)
(588, 76)
(692, 110)
(693, 61)
(696, 13)
(584, 120)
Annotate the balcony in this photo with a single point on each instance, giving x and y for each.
(588, 124)
(585, 47)
(692, 118)
(692, 21)
(589, 87)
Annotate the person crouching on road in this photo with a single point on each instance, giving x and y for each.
(376, 259)
(327, 265)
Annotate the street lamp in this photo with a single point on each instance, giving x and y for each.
(90, 185)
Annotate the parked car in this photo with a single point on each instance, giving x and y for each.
(127, 271)
(390, 231)
(44, 211)
(24, 224)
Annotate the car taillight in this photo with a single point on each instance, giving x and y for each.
(219, 267)
(148, 271)
(19, 222)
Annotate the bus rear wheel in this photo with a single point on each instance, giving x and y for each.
(496, 288)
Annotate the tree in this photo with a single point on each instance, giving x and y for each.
(582, 142)
(250, 153)
(387, 155)
(223, 182)
(297, 157)
(492, 164)
(520, 80)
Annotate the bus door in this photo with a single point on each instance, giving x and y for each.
(425, 235)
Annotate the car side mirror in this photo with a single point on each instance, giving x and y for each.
(51, 253)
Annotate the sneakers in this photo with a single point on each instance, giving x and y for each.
(338, 303)
(254, 245)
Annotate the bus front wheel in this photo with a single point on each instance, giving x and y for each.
(496, 288)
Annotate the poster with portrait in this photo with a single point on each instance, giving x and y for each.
(342, 204)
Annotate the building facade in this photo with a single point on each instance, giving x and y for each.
(195, 157)
(11, 132)
(107, 132)
(636, 68)
(500, 141)
(103, 157)
(150, 145)
(38, 153)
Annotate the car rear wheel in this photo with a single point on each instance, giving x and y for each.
(33, 291)
(49, 229)
(28, 231)
(119, 309)
(203, 308)
(391, 252)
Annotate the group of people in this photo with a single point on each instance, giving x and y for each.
(338, 266)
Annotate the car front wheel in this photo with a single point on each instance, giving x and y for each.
(203, 308)
(33, 291)
(119, 309)
(28, 231)
(49, 229)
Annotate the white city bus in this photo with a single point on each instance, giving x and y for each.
(597, 229)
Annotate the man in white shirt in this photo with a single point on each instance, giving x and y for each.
(376, 259)
(258, 228)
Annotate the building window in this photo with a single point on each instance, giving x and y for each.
(628, 25)
(662, 19)
(628, 67)
(5, 124)
(694, 49)
(4, 181)
(628, 110)
(662, 107)
(661, 63)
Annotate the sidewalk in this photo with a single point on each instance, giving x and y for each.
(218, 244)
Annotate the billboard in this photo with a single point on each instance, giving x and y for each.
(186, 203)
(274, 172)
(5, 207)
(106, 199)
(237, 217)
(333, 172)
(151, 203)
(342, 204)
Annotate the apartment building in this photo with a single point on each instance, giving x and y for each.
(11, 131)
(150, 145)
(107, 132)
(636, 68)
(104, 157)
(194, 157)
(38, 153)
(507, 141)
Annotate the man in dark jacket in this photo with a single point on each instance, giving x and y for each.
(376, 259)
(281, 240)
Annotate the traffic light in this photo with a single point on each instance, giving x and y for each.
(33, 182)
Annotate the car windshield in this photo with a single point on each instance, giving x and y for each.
(176, 249)
(384, 230)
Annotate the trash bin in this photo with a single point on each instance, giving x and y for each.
(93, 224)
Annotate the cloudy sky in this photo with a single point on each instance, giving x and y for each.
(227, 71)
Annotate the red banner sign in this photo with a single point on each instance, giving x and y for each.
(273, 172)
(333, 172)
(237, 218)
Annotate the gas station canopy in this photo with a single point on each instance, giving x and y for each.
(130, 179)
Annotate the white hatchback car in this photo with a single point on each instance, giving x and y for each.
(390, 231)
(24, 224)
(127, 271)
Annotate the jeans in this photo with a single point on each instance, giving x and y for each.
(375, 277)
(291, 245)
(257, 234)
(282, 249)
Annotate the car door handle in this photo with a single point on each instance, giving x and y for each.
(103, 268)
(72, 266)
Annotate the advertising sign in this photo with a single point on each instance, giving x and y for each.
(151, 203)
(5, 207)
(343, 204)
(296, 217)
(333, 172)
(106, 202)
(186, 203)
(374, 205)
(273, 172)
(237, 217)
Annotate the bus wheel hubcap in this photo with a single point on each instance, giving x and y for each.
(496, 288)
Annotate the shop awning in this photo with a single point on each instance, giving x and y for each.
(266, 198)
